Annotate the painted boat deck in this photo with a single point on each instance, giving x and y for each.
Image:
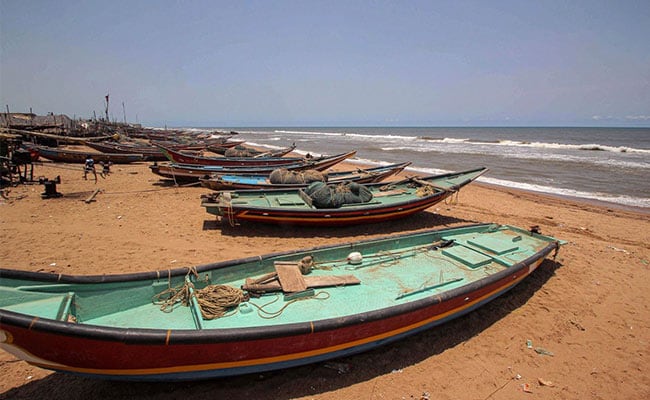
(399, 273)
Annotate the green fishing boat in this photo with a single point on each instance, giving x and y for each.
(313, 206)
(261, 313)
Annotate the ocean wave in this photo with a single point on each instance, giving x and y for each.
(363, 136)
(530, 156)
(444, 139)
(606, 197)
(561, 146)
(551, 190)
(540, 145)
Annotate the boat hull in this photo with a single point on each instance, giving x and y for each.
(192, 173)
(188, 354)
(149, 153)
(179, 157)
(243, 182)
(79, 157)
(288, 207)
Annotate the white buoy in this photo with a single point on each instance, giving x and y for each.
(355, 258)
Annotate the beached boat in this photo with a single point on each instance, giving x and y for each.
(218, 144)
(149, 152)
(245, 151)
(180, 157)
(249, 182)
(375, 202)
(79, 157)
(261, 313)
(192, 173)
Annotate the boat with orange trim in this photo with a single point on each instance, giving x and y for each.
(262, 313)
(346, 203)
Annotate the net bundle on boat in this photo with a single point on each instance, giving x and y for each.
(283, 175)
(239, 151)
(335, 196)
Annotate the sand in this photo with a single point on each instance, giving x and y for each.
(590, 309)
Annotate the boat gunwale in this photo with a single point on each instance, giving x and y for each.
(232, 181)
(351, 210)
(149, 336)
(173, 155)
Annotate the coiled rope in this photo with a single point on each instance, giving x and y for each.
(214, 300)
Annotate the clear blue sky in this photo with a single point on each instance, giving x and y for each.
(336, 63)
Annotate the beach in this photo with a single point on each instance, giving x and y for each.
(589, 311)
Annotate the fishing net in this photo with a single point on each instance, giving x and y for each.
(282, 175)
(238, 152)
(334, 196)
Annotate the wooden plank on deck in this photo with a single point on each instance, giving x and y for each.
(290, 277)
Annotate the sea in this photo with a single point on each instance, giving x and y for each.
(596, 164)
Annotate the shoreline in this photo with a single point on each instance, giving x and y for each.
(576, 199)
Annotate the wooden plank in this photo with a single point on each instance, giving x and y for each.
(251, 286)
(92, 196)
(305, 197)
(290, 277)
(389, 193)
(310, 281)
(332, 280)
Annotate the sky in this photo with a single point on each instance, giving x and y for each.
(330, 63)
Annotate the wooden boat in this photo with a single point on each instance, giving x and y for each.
(252, 152)
(245, 182)
(79, 157)
(281, 310)
(192, 173)
(297, 207)
(180, 157)
(149, 152)
(215, 143)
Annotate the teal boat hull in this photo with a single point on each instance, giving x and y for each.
(107, 326)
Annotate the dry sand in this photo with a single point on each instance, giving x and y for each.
(590, 308)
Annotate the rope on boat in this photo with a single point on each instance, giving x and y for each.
(263, 313)
(214, 300)
(230, 213)
(453, 199)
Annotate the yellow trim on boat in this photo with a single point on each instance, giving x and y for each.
(283, 358)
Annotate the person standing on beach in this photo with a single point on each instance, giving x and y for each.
(89, 166)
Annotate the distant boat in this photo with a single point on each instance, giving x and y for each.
(192, 173)
(243, 151)
(180, 157)
(375, 202)
(149, 152)
(261, 313)
(79, 157)
(244, 182)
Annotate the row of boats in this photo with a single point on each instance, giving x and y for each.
(242, 190)
(276, 310)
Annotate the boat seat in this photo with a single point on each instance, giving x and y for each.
(467, 256)
(285, 201)
(52, 306)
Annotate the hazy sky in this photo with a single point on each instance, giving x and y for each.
(336, 63)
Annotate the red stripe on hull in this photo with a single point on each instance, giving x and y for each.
(88, 355)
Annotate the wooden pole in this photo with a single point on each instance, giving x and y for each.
(106, 111)
(92, 196)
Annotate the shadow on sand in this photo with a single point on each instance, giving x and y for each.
(310, 380)
(415, 222)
